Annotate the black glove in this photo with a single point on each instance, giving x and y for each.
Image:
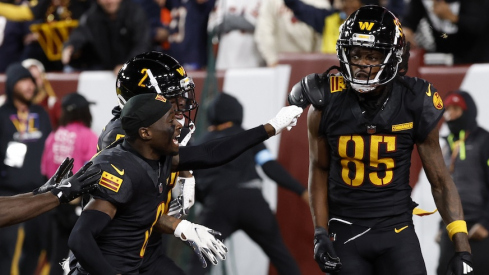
(324, 253)
(64, 170)
(82, 182)
(460, 264)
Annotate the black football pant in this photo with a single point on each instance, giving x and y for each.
(246, 209)
(384, 250)
(480, 258)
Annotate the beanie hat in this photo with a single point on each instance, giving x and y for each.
(224, 108)
(142, 111)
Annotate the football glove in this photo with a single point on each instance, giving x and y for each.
(82, 182)
(460, 264)
(63, 171)
(285, 118)
(202, 240)
(184, 192)
(324, 253)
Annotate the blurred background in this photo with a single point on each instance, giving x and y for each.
(255, 50)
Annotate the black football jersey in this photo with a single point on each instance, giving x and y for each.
(112, 131)
(139, 189)
(371, 155)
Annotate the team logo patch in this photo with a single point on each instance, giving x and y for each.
(336, 84)
(402, 127)
(160, 98)
(181, 71)
(437, 101)
(110, 182)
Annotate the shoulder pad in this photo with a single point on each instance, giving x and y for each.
(310, 90)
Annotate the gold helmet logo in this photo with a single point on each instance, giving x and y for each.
(366, 25)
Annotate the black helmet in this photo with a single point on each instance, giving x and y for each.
(371, 27)
(155, 72)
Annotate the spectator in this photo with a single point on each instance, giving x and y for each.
(24, 127)
(72, 139)
(278, 30)
(12, 36)
(51, 23)
(45, 95)
(110, 32)
(324, 21)
(188, 34)
(226, 190)
(233, 22)
(159, 32)
(467, 156)
(458, 27)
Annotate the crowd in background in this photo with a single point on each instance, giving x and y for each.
(77, 35)
(80, 35)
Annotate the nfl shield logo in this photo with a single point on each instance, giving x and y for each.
(160, 188)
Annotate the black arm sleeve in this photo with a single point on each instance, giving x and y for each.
(219, 151)
(274, 170)
(82, 242)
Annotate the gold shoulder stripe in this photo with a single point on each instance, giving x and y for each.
(110, 182)
(402, 127)
(336, 84)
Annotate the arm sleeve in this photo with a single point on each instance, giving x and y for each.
(219, 151)
(274, 170)
(82, 242)
(312, 16)
(79, 36)
(265, 33)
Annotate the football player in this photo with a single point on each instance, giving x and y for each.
(362, 128)
(138, 76)
(112, 234)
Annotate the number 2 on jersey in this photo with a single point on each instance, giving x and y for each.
(374, 161)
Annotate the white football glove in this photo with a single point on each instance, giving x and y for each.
(202, 240)
(286, 118)
(184, 197)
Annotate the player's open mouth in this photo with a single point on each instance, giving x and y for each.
(361, 75)
(175, 139)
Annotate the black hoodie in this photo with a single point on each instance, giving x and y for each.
(470, 166)
(15, 179)
(211, 182)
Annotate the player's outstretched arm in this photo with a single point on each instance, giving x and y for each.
(447, 201)
(219, 151)
(23, 207)
(17, 209)
(82, 242)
